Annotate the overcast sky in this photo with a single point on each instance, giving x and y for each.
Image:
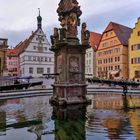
(18, 17)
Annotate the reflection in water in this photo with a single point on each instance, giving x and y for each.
(106, 116)
(70, 122)
(34, 118)
(25, 113)
(134, 117)
(111, 124)
(2, 123)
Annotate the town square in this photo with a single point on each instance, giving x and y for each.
(69, 70)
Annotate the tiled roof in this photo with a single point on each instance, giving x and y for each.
(94, 39)
(11, 53)
(122, 32)
(23, 45)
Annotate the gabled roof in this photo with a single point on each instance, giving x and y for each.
(23, 45)
(135, 28)
(12, 53)
(94, 40)
(122, 32)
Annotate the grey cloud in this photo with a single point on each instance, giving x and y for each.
(126, 16)
(14, 37)
(97, 14)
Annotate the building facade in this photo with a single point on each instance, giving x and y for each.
(3, 49)
(134, 53)
(13, 63)
(112, 52)
(90, 57)
(34, 54)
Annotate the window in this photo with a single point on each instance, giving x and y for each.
(100, 54)
(105, 44)
(115, 59)
(29, 58)
(41, 59)
(135, 47)
(34, 58)
(135, 60)
(30, 70)
(48, 70)
(132, 61)
(89, 62)
(118, 58)
(14, 70)
(89, 54)
(50, 59)
(118, 67)
(46, 59)
(138, 33)
(137, 74)
(116, 50)
(40, 48)
(99, 61)
(38, 58)
(40, 70)
(45, 48)
(34, 47)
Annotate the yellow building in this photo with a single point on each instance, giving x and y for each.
(134, 52)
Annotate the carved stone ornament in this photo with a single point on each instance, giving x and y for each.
(85, 34)
(69, 13)
(55, 37)
(66, 6)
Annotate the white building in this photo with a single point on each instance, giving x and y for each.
(35, 57)
(90, 57)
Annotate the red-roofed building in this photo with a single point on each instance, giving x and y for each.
(34, 54)
(13, 63)
(112, 52)
(90, 58)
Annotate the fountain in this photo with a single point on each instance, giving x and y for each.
(69, 86)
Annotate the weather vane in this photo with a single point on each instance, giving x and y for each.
(39, 10)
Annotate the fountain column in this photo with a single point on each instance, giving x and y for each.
(69, 86)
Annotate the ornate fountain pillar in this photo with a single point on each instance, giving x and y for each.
(69, 86)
